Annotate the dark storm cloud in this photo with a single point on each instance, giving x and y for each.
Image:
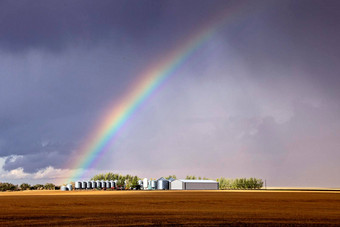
(259, 98)
(55, 25)
(296, 35)
(52, 89)
(47, 99)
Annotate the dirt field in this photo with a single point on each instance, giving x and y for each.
(198, 208)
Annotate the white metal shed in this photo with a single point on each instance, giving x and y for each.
(194, 185)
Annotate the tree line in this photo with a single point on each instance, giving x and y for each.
(195, 178)
(171, 177)
(240, 183)
(130, 181)
(25, 186)
(127, 181)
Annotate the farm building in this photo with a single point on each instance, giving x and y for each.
(152, 184)
(194, 185)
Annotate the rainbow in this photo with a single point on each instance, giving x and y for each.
(118, 115)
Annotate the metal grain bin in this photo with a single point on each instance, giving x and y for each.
(94, 184)
(63, 188)
(162, 184)
(153, 184)
(89, 185)
(103, 184)
(78, 185)
(113, 185)
(140, 183)
(69, 187)
(99, 184)
(84, 184)
(108, 184)
(145, 183)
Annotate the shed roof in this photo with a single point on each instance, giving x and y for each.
(171, 179)
(197, 181)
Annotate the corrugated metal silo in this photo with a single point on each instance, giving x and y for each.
(63, 188)
(145, 183)
(99, 184)
(154, 184)
(69, 187)
(108, 184)
(94, 184)
(78, 185)
(89, 185)
(103, 184)
(113, 185)
(162, 184)
(84, 184)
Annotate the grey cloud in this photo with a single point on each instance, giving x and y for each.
(226, 119)
(31, 163)
(52, 24)
(260, 98)
(58, 25)
(300, 36)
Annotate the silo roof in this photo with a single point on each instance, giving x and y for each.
(162, 178)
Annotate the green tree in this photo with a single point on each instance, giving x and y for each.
(240, 183)
(134, 182)
(49, 186)
(8, 187)
(190, 177)
(171, 176)
(258, 183)
(98, 177)
(123, 181)
(235, 184)
(38, 187)
(120, 182)
(252, 183)
(25, 186)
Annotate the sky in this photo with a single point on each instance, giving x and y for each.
(259, 98)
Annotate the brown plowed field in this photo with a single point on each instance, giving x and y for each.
(197, 208)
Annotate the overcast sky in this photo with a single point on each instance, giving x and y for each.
(260, 98)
